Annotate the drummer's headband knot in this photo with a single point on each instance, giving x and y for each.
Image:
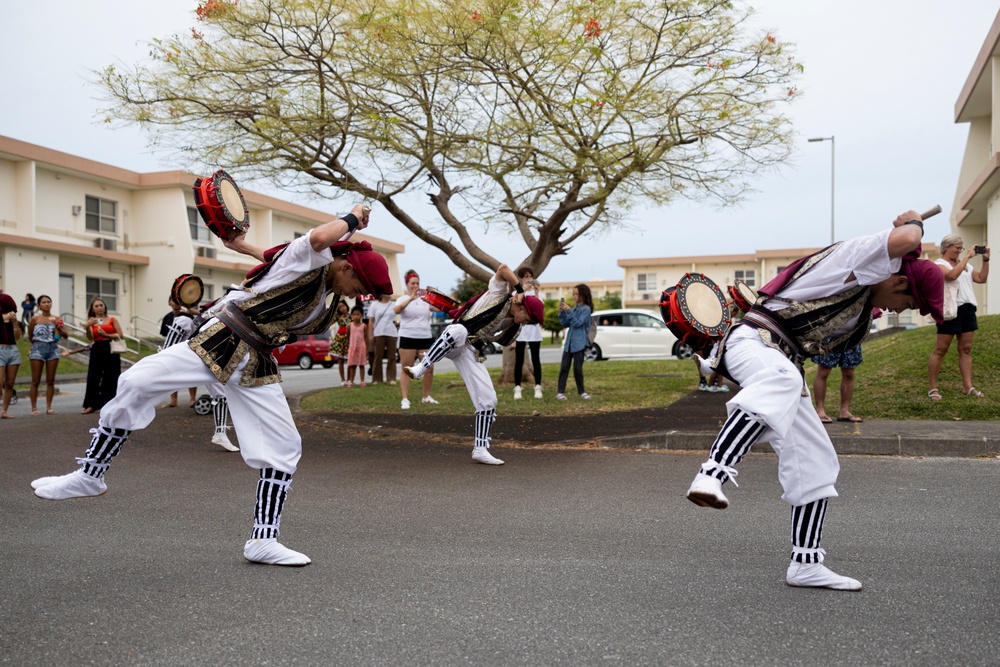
(369, 266)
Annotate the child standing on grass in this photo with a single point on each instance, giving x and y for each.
(357, 351)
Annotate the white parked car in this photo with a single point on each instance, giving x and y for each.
(633, 332)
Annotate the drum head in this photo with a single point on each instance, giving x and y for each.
(188, 290)
(231, 198)
(743, 295)
(702, 305)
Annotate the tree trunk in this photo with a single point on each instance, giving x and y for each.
(507, 371)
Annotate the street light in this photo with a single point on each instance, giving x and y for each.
(832, 190)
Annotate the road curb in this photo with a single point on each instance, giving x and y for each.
(871, 445)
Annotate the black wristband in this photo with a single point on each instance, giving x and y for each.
(351, 220)
(518, 288)
(918, 223)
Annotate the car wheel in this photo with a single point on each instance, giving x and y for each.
(305, 362)
(592, 353)
(492, 348)
(683, 350)
(203, 405)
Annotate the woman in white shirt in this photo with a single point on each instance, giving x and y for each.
(382, 320)
(414, 336)
(958, 277)
(530, 336)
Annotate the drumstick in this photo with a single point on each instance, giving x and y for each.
(931, 213)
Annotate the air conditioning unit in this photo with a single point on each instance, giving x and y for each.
(110, 245)
(647, 297)
(205, 251)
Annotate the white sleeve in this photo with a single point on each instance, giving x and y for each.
(868, 258)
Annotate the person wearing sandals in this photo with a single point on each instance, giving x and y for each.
(10, 357)
(44, 332)
(848, 360)
(530, 337)
(818, 304)
(577, 323)
(958, 275)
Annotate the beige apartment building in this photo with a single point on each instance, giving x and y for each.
(645, 279)
(76, 229)
(564, 290)
(975, 214)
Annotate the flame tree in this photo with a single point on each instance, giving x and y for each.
(541, 119)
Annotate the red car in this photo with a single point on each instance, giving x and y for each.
(306, 351)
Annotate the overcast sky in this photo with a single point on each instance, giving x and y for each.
(882, 76)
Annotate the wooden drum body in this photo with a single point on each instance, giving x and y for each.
(221, 205)
(187, 290)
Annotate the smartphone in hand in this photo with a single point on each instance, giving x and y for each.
(980, 249)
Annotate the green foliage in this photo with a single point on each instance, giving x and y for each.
(551, 322)
(468, 287)
(610, 301)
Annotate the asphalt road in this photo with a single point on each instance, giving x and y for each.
(560, 557)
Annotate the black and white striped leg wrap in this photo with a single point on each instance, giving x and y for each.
(220, 410)
(484, 422)
(272, 487)
(104, 446)
(442, 346)
(807, 531)
(737, 436)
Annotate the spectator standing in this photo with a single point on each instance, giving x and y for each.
(357, 352)
(530, 337)
(848, 360)
(44, 332)
(414, 337)
(105, 366)
(27, 309)
(10, 357)
(958, 276)
(341, 343)
(577, 322)
(381, 319)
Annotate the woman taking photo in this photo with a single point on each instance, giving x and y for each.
(105, 365)
(958, 278)
(414, 336)
(44, 330)
(577, 322)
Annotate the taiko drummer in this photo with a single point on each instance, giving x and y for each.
(819, 304)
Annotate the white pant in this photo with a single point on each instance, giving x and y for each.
(261, 417)
(477, 378)
(772, 390)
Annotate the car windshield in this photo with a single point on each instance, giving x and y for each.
(325, 335)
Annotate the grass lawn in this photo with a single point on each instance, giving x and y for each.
(891, 384)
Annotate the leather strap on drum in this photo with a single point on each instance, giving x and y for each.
(237, 321)
(763, 319)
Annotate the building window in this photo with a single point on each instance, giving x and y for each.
(297, 235)
(647, 282)
(104, 289)
(748, 276)
(209, 294)
(102, 216)
(200, 232)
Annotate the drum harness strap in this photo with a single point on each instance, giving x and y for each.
(237, 321)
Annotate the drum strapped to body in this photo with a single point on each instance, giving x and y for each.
(440, 300)
(743, 296)
(695, 310)
(221, 205)
(187, 290)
